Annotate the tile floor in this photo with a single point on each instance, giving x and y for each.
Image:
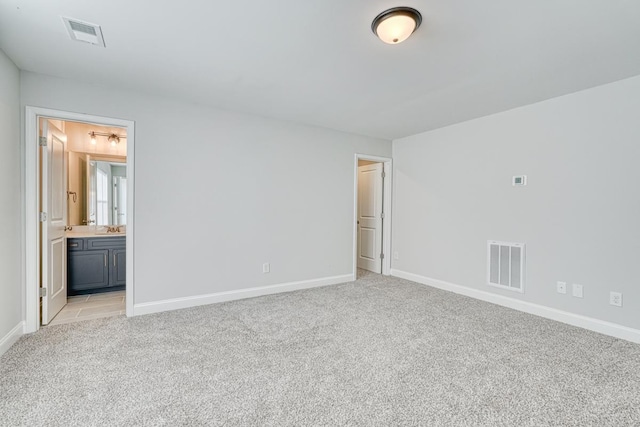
(93, 306)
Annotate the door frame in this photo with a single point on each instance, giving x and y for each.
(31, 223)
(386, 208)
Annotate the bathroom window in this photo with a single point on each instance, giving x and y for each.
(120, 200)
(102, 197)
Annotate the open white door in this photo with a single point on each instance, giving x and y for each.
(53, 220)
(370, 217)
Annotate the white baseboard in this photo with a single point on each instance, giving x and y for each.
(186, 302)
(596, 325)
(10, 339)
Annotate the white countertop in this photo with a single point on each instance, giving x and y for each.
(81, 235)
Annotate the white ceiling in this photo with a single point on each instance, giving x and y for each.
(317, 62)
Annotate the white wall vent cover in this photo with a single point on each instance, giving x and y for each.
(84, 31)
(505, 265)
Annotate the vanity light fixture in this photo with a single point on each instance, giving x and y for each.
(395, 25)
(112, 138)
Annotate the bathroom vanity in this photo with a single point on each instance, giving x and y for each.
(96, 264)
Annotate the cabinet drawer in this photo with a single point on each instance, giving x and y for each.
(106, 243)
(75, 244)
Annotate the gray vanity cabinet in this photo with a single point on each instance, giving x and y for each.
(118, 274)
(86, 270)
(96, 264)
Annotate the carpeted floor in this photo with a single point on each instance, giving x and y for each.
(378, 351)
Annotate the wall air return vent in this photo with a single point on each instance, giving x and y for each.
(505, 265)
(84, 31)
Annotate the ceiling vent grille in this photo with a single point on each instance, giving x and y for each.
(505, 265)
(84, 31)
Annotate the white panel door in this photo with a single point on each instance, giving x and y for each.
(54, 204)
(370, 217)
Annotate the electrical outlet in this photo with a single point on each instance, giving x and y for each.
(577, 290)
(266, 267)
(615, 298)
(396, 255)
(561, 287)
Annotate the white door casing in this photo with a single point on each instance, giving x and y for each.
(370, 217)
(54, 205)
(32, 227)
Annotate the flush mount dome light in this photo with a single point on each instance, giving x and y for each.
(395, 25)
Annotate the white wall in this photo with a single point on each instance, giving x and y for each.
(219, 193)
(10, 199)
(579, 215)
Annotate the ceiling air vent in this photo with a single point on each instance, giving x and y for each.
(84, 31)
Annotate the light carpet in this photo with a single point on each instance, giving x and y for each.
(378, 351)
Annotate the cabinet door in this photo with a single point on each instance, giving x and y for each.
(118, 267)
(87, 270)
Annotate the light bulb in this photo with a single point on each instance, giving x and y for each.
(93, 138)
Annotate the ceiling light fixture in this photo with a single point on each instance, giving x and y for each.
(112, 138)
(395, 25)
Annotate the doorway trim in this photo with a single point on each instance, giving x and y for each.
(386, 208)
(31, 224)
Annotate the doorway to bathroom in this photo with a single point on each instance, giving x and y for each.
(79, 184)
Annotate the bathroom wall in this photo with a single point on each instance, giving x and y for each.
(79, 140)
(78, 145)
(220, 193)
(10, 204)
(77, 178)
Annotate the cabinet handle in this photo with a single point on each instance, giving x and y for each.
(114, 260)
(105, 260)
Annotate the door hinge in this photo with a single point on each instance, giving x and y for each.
(381, 256)
(43, 216)
(384, 175)
(42, 141)
(382, 215)
(42, 292)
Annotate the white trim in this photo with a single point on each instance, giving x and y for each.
(386, 207)
(596, 325)
(32, 190)
(10, 339)
(194, 301)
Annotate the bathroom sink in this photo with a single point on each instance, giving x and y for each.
(110, 231)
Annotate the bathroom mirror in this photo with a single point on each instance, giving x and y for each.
(97, 190)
